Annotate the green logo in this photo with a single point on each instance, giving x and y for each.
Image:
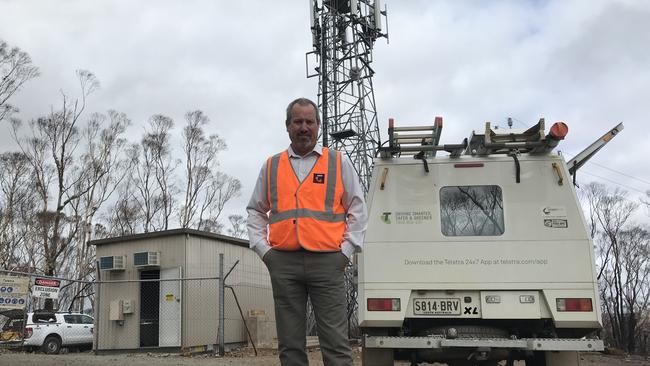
(385, 217)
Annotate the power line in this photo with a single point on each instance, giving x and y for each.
(612, 181)
(621, 173)
(617, 172)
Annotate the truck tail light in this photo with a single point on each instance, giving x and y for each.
(383, 305)
(28, 332)
(574, 304)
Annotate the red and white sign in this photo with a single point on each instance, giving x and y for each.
(46, 287)
(47, 282)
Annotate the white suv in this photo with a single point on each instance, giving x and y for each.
(51, 331)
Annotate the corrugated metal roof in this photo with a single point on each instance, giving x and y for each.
(158, 234)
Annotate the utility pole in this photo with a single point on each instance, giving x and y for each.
(343, 34)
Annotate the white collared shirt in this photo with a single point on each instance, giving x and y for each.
(353, 202)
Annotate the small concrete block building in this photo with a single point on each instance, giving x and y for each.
(141, 310)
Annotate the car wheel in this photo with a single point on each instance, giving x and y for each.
(52, 345)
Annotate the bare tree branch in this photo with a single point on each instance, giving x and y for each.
(15, 70)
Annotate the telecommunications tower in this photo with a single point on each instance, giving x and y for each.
(344, 32)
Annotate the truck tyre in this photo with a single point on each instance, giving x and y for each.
(52, 345)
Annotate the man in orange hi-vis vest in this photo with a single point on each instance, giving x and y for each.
(306, 218)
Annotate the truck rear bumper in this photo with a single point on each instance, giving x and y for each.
(531, 344)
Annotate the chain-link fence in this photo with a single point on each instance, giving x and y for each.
(160, 309)
(163, 309)
(148, 308)
(248, 291)
(27, 311)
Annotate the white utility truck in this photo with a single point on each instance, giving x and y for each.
(479, 256)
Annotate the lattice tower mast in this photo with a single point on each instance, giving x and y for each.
(344, 32)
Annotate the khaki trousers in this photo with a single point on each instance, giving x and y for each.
(319, 275)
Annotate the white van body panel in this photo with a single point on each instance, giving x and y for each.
(544, 251)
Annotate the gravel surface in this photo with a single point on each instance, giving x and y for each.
(243, 357)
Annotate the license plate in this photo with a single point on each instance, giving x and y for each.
(436, 306)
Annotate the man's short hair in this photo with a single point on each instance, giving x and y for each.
(302, 101)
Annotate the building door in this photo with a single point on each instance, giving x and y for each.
(149, 308)
(170, 308)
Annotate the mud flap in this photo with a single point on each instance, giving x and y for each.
(564, 358)
(377, 357)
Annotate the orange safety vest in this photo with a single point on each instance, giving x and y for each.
(307, 214)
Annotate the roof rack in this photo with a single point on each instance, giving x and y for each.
(422, 142)
(505, 141)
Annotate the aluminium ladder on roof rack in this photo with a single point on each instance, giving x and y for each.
(417, 141)
(418, 136)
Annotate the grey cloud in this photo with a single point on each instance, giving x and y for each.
(584, 62)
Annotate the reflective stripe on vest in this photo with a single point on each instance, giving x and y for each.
(303, 214)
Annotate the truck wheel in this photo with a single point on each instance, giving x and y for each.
(52, 345)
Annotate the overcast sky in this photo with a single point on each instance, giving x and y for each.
(584, 62)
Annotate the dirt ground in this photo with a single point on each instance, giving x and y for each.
(242, 357)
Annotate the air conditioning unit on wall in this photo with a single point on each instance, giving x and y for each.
(146, 259)
(112, 263)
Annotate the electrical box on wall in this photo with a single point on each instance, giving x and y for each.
(115, 310)
(127, 306)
